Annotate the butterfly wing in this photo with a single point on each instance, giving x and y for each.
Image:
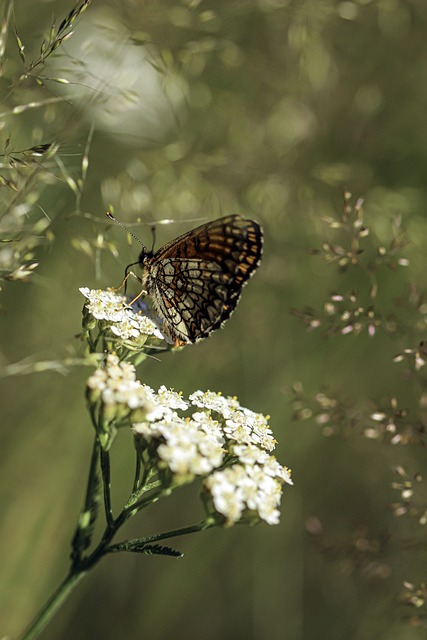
(195, 281)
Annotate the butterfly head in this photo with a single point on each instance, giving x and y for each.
(144, 255)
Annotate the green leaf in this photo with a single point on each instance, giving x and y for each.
(140, 546)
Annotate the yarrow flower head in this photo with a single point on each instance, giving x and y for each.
(226, 444)
(117, 392)
(241, 491)
(116, 319)
(251, 488)
(181, 447)
(240, 424)
(177, 440)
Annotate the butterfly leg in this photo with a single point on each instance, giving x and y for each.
(124, 282)
(143, 292)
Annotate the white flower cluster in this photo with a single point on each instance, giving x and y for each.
(222, 441)
(231, 449)
(240, 424)
(113, 309)
(120, 393)
(183, 447)
(254, 484)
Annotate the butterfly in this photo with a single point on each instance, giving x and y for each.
(195, 281)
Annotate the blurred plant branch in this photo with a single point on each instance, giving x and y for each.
(26, 173)
(361, 255)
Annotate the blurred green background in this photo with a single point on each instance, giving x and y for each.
(193, 110)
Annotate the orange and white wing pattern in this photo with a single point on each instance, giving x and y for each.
(195, 281)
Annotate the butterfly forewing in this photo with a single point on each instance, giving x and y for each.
(195, 281)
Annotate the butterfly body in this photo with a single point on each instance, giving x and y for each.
(195, 281)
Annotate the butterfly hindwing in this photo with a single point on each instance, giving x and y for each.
(195, 281)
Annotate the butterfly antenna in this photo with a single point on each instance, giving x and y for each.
(110, 215)
(153, 235)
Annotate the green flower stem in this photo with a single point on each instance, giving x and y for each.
(52, 605)
(79, 568)
(106, 479)
(194, 528)
(137, 472)
(92, 345)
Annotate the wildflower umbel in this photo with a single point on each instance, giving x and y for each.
(207, 435)
(118, 392)
(240, 424)
(117, 321)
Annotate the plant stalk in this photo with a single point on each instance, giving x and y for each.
(52, 605)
